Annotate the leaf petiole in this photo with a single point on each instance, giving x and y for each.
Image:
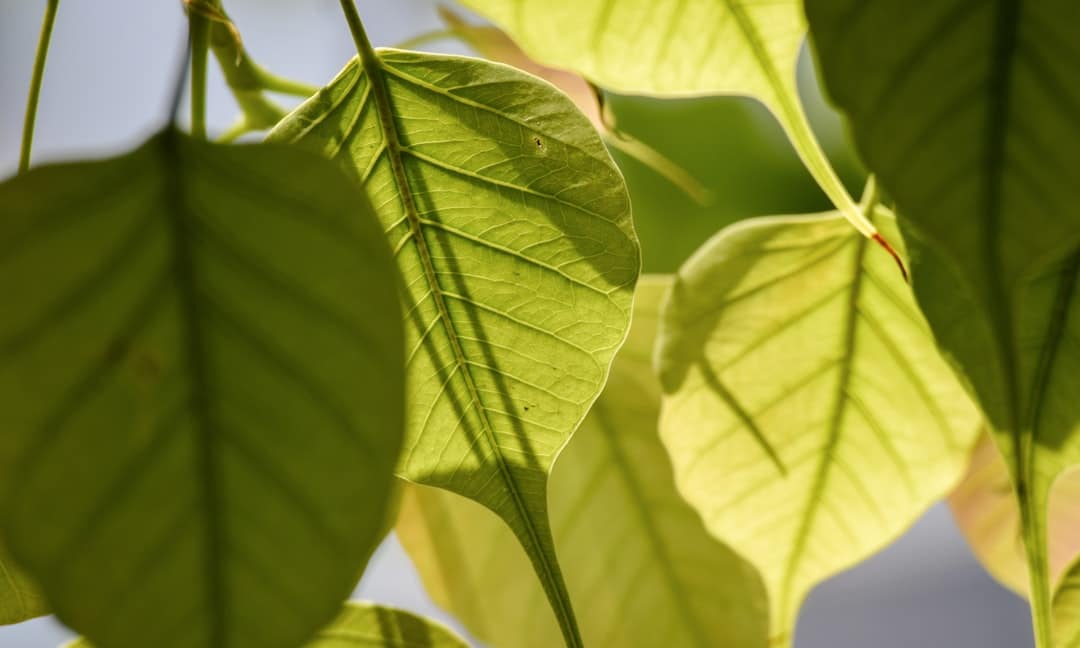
(35, 84)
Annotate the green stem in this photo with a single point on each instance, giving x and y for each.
(200, 47)
(35, 84)
(871, 196)
(794, 120)
(1035, 549)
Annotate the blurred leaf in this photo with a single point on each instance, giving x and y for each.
(986, 511)
(809, 417)
(366, 625)
(968, 116)
(1067, 609)
(511, 226)
(640, 565)
(19, 597)
(200, 374)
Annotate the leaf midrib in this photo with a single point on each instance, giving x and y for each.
(652, 533)
(814, 494)
(194, 345)
(372, 66)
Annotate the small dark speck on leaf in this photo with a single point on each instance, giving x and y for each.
(539, 144)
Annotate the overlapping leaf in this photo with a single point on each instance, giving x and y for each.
(968, 117)
(986, 511)
(202, 392)
(366, 625)
(639, 562)
(807, 412)
(511, 226)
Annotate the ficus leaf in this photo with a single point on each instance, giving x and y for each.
(968, 117)
(511, 227)
(808, 415)
(985, 509)
(200, 374)
(637, 557)
(366, 625)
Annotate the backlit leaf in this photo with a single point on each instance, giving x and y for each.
(641, 567)
(511, 227)
(200, 375)
(966, 111)
(808, 415)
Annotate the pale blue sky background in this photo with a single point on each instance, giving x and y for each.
(107, 86)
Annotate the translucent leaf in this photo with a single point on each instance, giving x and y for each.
(986, 512)
(662, 48)
(511, 227)
(968, 117)
(639, 562)
(200, 374)
(808, 415)
(366, 625)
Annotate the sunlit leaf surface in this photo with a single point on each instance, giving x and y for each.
(640, 567)
(808, 415)
(511, 227)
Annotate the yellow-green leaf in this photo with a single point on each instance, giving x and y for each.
(511, 226)
(808, 415)
(640, 565)
(202, 391)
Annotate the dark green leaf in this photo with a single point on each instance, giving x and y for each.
(200, 374)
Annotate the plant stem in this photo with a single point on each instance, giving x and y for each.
(199, 26)
(793, 118)
(35, 84)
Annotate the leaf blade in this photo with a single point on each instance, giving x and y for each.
(155, 413)
(504, 375)
(612, 495)
(777, 343)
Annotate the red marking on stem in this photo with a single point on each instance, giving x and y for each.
(880, 240)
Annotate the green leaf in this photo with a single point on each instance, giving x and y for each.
(680, 49)
(986, 511)
(808, 415)
(20, 599)
(1067, 609)
(200, 374)
(511, 226)
(968, 117)
(1042, 441)
(635, 553)
(366, 625)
